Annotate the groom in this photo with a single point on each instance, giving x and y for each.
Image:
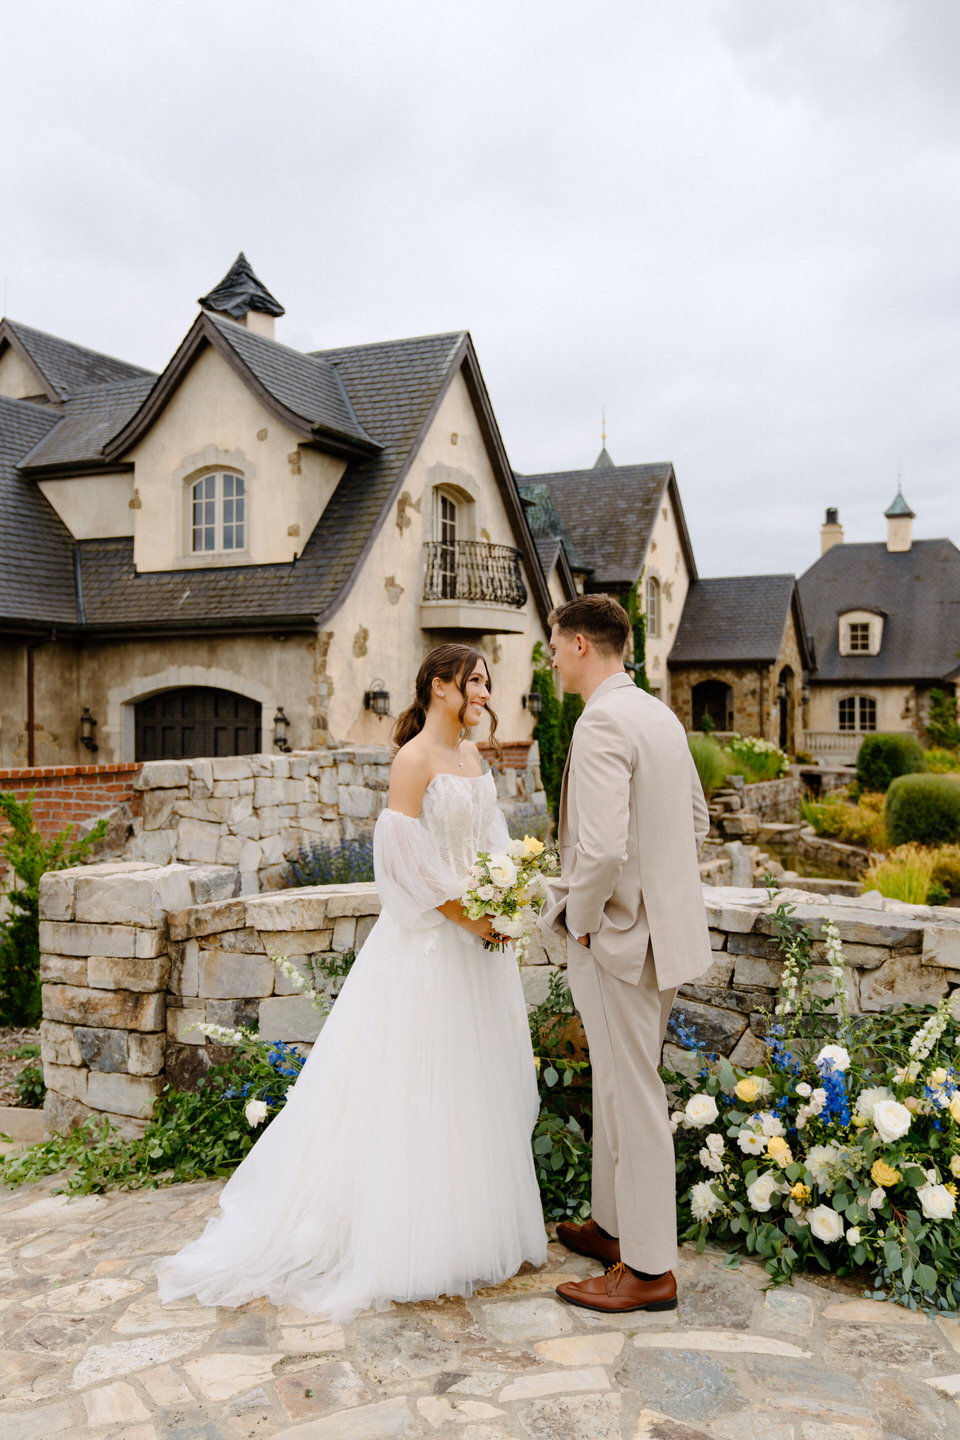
(629, 904)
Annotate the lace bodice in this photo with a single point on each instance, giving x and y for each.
(458, 811)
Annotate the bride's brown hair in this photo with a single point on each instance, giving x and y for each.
(452, 663)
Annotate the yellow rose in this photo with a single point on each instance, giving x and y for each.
(883, 1174)
(531, 845)
(747, 1090)
(955, 1107)
(955, 1164)
(800, 1192)
(779, 1150)
(938, 1076)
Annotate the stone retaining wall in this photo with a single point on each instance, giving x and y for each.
(134, 956)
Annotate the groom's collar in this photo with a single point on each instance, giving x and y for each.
(612, 682)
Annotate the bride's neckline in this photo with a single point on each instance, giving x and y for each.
(451, 775)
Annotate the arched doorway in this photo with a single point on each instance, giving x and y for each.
(712, 701)
(196, 720)
(786, 702)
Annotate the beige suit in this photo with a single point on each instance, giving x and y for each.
(632, 816)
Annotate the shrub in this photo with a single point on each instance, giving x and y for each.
(546, 732)
(905, 874)
(348, 862)
(755, 759)
(857, 824)
(29, 856)
(881, 758)
(710, 761)
(946, 868)
(923, 808)
(942, 727)
(30, 1086)
(938, 760)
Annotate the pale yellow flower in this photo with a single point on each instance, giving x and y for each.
(536, 1061)
(747, 1090)
(938, 1076)
(532, 846)
(883, 1174)
(955, 1165)
(800, 1192)
(779, 1150)
(955, 1107)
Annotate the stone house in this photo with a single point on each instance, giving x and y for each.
(741, 658)
(885, 620)
(620, 527)
(255, 548)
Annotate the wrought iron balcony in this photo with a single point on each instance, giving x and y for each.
(473, 571)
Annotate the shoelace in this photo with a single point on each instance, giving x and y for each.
(615, 1273)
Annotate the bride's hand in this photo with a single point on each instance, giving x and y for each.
(483, 927)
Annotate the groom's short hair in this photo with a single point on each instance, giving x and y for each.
(601, 619)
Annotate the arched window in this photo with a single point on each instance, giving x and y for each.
(218, 516)
(446, 527)
(857, 712)
(196, 720)
(653, 607)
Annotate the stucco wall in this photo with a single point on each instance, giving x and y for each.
(665, 562)
(18, 380)
(93, 506)
(823, 711)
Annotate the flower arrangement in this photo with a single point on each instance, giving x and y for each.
(510, 887)
(841, 1150)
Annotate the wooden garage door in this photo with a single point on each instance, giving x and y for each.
(197, 720)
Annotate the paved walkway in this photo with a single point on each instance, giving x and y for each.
(87, 1351)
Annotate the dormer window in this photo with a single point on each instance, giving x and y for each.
(860, 632)
(218, 513)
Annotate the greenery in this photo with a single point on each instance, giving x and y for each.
(939, 760)
(906, 873)
(30, 1086)
(755, 759)
(570, 712)
(710, 761)
(858, 822)
(840, 1151)
(561, 1143)
(638, 625)
(942, 726)
(881, 758)
(345, 863)
(29, 856)
(546, 732)
(923, 808)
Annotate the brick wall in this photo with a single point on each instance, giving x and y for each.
(70, 794)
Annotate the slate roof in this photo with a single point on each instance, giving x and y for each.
(608, 514)
(545, 524)
(240, 291)
(394, 387)
(918, 592)
(68, 367)
(736, 619)
(85, 421)
(36, 548)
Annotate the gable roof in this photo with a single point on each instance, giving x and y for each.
(917, 590)
(36, 548)
(85, 421)
(738, 619)
(608, 514)
(62, 366)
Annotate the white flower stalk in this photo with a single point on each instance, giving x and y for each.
(221, 1035)
(838, 982)
(928, 1035)
(297, 977)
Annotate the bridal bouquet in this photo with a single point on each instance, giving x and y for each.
(510, 886)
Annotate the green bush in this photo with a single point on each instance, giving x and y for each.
(924, 809)
(546, 732)
(881, 758)
(30, 1086)
(940, 760)
(710, 760)
(942, 727)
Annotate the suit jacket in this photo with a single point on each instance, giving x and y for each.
(632, 818)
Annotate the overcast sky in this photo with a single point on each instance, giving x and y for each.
(733, 223)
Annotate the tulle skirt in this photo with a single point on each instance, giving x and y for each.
(400, 1167)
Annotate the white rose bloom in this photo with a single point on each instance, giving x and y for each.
(761, 1192)
(516, 849)
(255, 1111)
(877, 1198)
(700, 1110)
(818, 1098)
(803, 1089)
(751, 1143)
(891, 1119)
(838, 1054)
(675, 1120)
(703, 1202)
(803, 1115)
(709, 1161)
(867, 1099)
(826, 1224)
(936, 1202)
(770, 1124)
(486, 892)
(853, 1235)
(502, 870)
(820, 1162)
(714, 1142)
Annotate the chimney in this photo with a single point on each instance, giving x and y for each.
(831, 532)
(900, 520)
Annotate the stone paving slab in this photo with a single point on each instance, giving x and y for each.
(86, 1350)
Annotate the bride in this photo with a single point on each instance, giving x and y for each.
(400, 1166)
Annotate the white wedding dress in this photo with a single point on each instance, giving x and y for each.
(400, 1167)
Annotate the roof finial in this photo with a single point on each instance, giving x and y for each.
(603, 461)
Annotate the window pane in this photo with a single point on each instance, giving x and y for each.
(227, 486)
(868, 713)
(848, 713)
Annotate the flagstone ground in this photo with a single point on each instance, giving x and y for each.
(86, 1350)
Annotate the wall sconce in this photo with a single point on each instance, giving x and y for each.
(805, 695)
(87, 726)
(280, 726)
(782, 690)
(532, 702)
(377, 699)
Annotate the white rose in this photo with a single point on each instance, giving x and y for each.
(820, 1161)
(714, 1142)
(703, 1202)
(751, 1143)
(936, 1202)
(818, 1098)
(770, 1124)
(675, 1120)
(502, 870)
(868, 1099)
(877, 1197)
(516, 849)
(486, 892)
(826, 1224)
(853, 1235)
(711, 1162)
(891, 1119)
(837, 1053)
(255, 1111)
(761, 1192)
(700, 1110)
(803, 1089)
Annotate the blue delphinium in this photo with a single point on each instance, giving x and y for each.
(837, 1106)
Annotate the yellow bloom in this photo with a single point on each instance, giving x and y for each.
(536, 1061)
(955, 1107)
(955, 1164)
(531, 845)
(779, 1150)
(747, 1090)
(951, 1189)
(938, 1076)
(800, 1192)
(883, 1174)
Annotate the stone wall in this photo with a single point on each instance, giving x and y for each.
(135, 956)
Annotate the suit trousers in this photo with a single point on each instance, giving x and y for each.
(634, 1171)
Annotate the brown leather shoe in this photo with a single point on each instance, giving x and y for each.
(586, 1239)
(619, 1290)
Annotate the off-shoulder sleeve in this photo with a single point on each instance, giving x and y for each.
(412, 877)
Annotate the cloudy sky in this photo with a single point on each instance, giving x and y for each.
(733, 223)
